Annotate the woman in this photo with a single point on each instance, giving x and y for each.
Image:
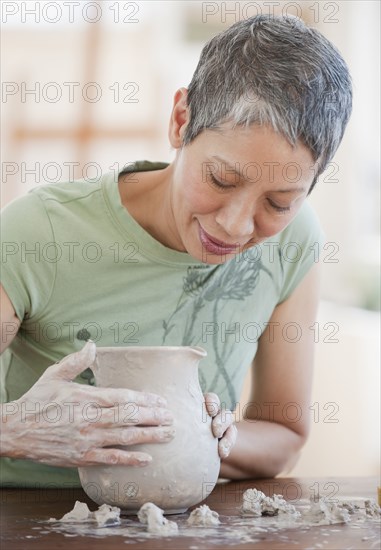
(218, 248)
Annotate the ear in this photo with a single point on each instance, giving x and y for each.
(179, 118)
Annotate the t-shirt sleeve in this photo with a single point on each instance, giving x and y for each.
(301, 244)
(28, 265)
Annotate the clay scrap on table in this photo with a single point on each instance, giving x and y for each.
(372, 509)
(256, 504)
(104, 516)
(203, 516)
(320, 512)
(152, 515)
(353, 507)
(323, 512)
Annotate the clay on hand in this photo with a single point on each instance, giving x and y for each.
(62, 423)
(223, 425)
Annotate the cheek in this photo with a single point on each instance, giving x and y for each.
(196, 199)
(267, 225)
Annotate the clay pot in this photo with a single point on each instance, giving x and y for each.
(183, 471)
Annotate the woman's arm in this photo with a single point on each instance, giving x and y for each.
(9, 322)
(72, 440)
(276, 425)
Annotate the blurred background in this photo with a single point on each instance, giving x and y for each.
(87, 87)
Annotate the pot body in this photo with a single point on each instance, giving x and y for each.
(183, 471)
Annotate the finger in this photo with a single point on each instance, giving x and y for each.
(221, 422)
(134, 436)
(228, 441)
(70, 366)
(115, 457)
(109, 397)
(212, 404)
(133, 415)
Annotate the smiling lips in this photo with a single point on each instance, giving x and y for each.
(214, 246)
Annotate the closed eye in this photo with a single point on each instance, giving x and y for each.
(279, 208)
(219, 184)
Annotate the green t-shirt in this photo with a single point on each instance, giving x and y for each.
(76, 265)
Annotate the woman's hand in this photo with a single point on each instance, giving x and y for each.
(62, 423)
(223, 425)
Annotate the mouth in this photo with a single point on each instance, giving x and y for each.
(215, 246)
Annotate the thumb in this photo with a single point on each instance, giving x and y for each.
(72, 365)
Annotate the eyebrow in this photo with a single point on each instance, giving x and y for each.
(291, 190)
(241, 175)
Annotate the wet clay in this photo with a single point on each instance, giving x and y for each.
(256, 504)
(203, 515)
(326, 513)
(153, 517)
(104, 516)
(174, 480)
(234, 529)
(372, 509)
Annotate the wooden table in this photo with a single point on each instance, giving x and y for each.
(22, 510)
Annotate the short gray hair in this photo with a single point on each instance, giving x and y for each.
(273, 70)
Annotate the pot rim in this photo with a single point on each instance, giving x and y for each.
(199, 350)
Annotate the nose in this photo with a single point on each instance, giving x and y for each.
(236, 219)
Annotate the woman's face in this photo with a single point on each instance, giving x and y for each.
(233, 189)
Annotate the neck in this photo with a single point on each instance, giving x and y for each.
(148, 198)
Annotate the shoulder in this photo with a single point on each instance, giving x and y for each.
(36, 207)
(304, 228)
(24, 217)
(63, 191)
(66, 191)
(298, 247)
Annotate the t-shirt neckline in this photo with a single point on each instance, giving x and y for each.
(132, 230)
